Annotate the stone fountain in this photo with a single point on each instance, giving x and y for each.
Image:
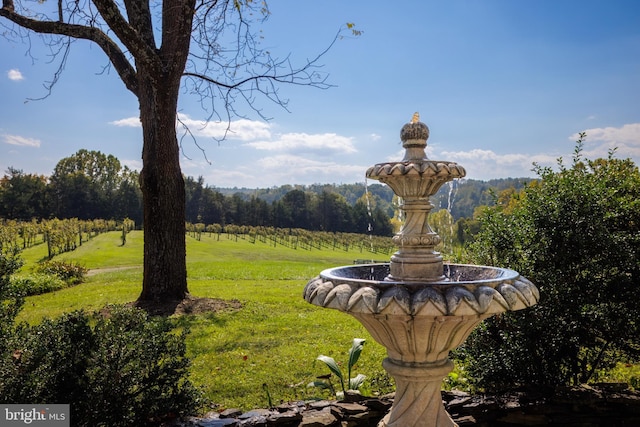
(418, 307)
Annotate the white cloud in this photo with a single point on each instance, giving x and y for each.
(132, 164)
(290, 162)
(132, 122)
(304, 142)
(21, 140)
(487, 164)
(302, 168)
(625, 139)
(15, 75)
(478, 154)
(243, 130)
(235, 178)
(375, 137)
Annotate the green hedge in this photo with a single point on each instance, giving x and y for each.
(71, 273)
(123, 368)
(36, 284)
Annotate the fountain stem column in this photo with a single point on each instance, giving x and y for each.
(416, 259)
(417, 400)
(415, 179)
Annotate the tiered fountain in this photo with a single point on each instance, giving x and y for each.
(416, 306)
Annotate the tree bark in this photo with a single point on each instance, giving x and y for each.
(163, 192)
(162, 183)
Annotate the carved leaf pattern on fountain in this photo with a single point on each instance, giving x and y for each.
(317, 290)
(339, 296)
(426, 298)
(428, 168)
(365, 299)
(434, 300)
(395, 301)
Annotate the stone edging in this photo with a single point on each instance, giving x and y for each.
(605, 405)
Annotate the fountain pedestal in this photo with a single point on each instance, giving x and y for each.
(417, 400)
(416, 306)
(418, 349)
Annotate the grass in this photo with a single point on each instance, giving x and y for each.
(271, 342)
(622, 373)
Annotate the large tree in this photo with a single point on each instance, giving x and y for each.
(156, 47)
(23, 196)
(85, 185)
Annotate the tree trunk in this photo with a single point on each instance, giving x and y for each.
(162, 183)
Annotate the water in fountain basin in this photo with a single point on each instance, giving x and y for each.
(455, 274)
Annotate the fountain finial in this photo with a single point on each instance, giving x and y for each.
(414, 137)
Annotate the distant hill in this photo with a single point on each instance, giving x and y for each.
(460, 197)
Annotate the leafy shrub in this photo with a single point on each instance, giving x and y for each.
(119, 369)
(576, 235)
(36, 284)
(71, 273)
(48, 362)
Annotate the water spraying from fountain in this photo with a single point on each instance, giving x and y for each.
(369, 214)
(416, 306)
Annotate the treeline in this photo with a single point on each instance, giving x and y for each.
(85, 186)
(351, 192)
(90, 184)
(462, 197)
(327, 211)
(459, 197)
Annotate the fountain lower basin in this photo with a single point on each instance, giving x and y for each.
(465, 290)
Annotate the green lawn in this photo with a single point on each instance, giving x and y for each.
(273, 340)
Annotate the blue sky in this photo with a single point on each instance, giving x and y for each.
(500, 83)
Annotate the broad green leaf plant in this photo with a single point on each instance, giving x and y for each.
(355, 383)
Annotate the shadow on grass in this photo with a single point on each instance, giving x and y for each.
(189, 306)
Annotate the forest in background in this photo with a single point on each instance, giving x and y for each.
(460, 197)
(90, 185)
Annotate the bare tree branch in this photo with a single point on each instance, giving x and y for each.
(223, 73)
(187, 132)
(139, 15)
(56, 76)
(134, 42)
(124, 68)
(176, 32)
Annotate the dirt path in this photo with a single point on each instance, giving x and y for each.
(95, 271)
